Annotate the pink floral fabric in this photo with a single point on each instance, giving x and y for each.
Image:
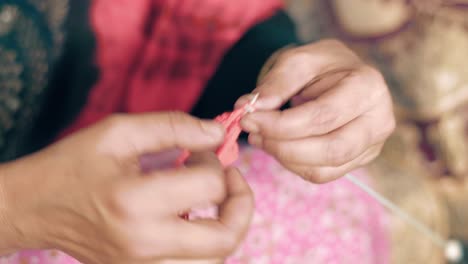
(295, 222)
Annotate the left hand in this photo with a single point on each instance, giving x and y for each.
(341, 111)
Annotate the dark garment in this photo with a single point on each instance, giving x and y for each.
(31, 40)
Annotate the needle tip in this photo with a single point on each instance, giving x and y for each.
(249, 108)
(254, 99)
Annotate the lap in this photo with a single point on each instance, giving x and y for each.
(299, 222)
(295, 221)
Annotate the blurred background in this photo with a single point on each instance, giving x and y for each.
(421, 46)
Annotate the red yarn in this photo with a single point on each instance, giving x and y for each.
(157, 55)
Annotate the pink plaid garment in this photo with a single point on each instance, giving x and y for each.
(157, 55)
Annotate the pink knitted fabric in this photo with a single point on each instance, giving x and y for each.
(295, 221)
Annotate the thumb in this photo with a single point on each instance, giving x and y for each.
(131, 135)
(299, 68)
(237, 210)
(285, 80)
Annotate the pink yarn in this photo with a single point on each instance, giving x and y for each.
(228, 152)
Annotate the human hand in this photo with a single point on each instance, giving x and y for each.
(88, 197)
(341, 111)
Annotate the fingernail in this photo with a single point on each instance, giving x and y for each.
(249, 124)
(268, 103)
(255, 139)
(159, 161)
(243, 100)
(213, 129)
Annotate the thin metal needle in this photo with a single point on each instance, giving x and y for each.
(249, 108)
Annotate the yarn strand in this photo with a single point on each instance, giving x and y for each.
(452, 248)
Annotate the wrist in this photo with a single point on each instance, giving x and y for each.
(10, 239)
(19, 225)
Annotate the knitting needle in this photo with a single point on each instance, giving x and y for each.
(249, 108)
(452, 248)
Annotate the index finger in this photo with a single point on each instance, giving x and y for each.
(301, 67)
(200, 182)
(135, 135)
(352, 97)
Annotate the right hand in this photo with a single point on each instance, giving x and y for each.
(88, 196)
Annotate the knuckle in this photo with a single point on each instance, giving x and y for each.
(337, 50)
(323, 119)
(372, 85)
(126, 228)
(386, 126)
(361, 77)
(177, 116)
(296, 61)
(375, 81)
(374, 155)
(135, 243)
(338, 151)
(294, 68)
(281, 125)
(228, 243)
(295, 55)
(174, 121)
(114, 126)
(275, 149)
(286, 54)
(120, 204)
(214, 182)
(371, 71)
(281, 154)
(134, 250)
(129, 248)
(115, 120)
(180, 122)
(312, 174)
